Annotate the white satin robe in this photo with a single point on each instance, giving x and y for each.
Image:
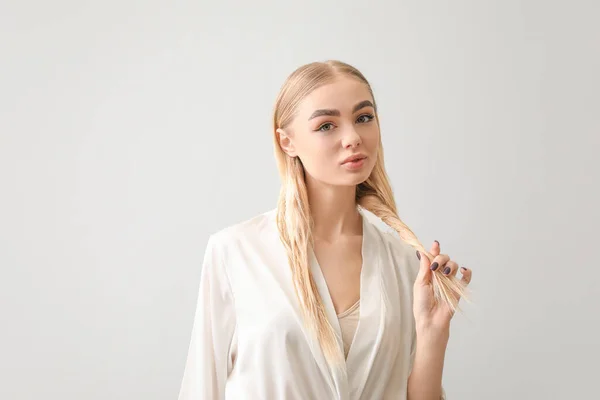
(248, 340)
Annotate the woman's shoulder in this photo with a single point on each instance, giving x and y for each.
(257, 227)
(389, 236)
(402, 255)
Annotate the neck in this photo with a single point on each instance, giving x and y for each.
(333, 210)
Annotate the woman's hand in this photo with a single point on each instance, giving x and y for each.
(433, 320)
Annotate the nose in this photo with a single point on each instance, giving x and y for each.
(351, 139)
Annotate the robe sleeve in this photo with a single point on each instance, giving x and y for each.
(210, 359)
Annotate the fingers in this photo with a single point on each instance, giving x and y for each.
(424, 276)
(450, 268)
(435, 248)
(465, 280)
(466, 275)
(439, 261)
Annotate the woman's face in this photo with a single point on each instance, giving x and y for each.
(334, 122)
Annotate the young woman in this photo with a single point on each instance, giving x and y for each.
(312, 300)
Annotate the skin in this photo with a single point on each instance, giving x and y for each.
(432, 326)
(322, 143)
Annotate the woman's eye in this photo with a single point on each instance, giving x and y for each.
(326, 127)
(365, 118)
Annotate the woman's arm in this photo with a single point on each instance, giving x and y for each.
(209, 358)
(425, 381)
(432, 322)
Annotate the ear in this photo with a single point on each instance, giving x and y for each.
(286, 143)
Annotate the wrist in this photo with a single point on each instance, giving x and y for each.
(433, 335)
(431, 349)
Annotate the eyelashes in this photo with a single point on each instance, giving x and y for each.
(362, 119)
(322, 127)
(369, 118)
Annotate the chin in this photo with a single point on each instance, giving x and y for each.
(354, 179)
(343, 177)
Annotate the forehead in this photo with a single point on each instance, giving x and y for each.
(342, 94)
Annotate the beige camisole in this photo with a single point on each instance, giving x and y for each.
(348, 322)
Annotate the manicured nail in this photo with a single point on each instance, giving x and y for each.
(418, 255)
(434, 266)
(446, 270)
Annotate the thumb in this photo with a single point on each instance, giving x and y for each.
(424, 276)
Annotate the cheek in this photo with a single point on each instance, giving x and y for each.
(371, 139)
(317, 149)
(320, 142)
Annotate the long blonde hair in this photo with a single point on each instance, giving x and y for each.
(294, 220)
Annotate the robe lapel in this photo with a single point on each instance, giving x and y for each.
(337, 376)
(369, 332)
(295, 306)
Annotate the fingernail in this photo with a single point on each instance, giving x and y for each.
(418, 255)
(434, 266)
(437, 242)
(446, 270)
(463, 268)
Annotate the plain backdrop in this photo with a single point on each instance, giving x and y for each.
(131, 130)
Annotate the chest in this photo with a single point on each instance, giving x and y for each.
(341, 263)
(270, 328)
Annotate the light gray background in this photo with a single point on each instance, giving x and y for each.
(130, 131)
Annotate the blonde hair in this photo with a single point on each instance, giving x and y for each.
(294, 220)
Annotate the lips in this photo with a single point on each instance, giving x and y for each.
(354, 157)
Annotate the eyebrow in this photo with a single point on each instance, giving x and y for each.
(336, 113)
